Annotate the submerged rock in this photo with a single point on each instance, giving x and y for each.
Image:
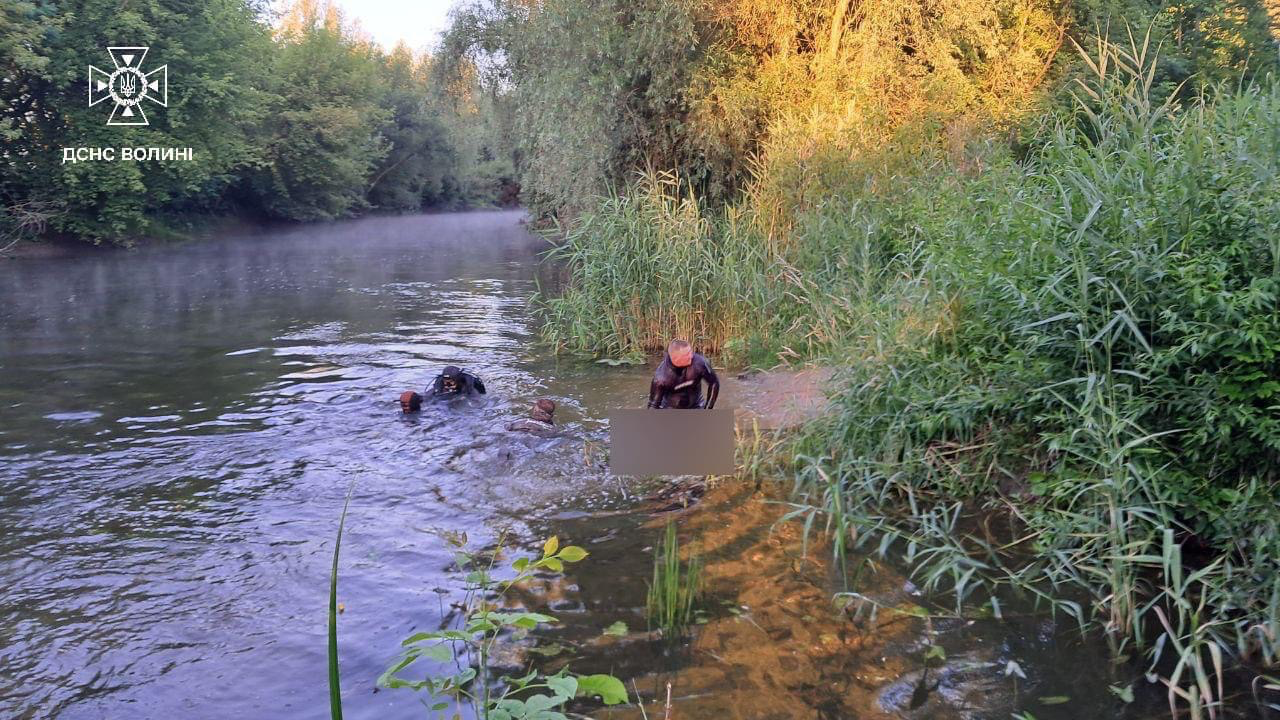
(965, 688)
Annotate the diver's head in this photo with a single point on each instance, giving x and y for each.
(452, 378)
(681, 353)
(543, 410)
(410, 402)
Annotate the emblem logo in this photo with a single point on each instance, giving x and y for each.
(128, 86)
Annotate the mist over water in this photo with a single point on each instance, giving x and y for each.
(181, 426)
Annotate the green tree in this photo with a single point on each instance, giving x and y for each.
(216, 49)
(419, 169)
(591, 109)
(323, 141)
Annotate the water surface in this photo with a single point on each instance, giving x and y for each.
(181, 426)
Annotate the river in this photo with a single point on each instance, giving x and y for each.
(182, 424)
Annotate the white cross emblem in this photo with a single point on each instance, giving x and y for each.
(128, 86)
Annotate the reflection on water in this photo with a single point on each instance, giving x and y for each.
(181, 426)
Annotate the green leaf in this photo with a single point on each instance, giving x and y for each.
(572, 554)
(505, 618)
(512, 708)
(527, 621)
(553, 564)
(439, 653)
(388, 678)
(520, 682)
(1124, 692)
(619, 628)
(607, 687)
(520, 564)
(538, 703)
(564, 687)
(549, 548)
(419, 637)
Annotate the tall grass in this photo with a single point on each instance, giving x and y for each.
(654, 264)
(335, 682)
(1059, 373)
(675, 587)
(1107, 397)
(651, 265)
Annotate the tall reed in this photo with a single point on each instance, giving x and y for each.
(1057, 371)
(675, 587)
(1104, 389)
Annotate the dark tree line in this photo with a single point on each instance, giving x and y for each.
(296, 117)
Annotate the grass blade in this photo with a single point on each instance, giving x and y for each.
(335, 686)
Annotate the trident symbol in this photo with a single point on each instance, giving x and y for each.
(128, 85)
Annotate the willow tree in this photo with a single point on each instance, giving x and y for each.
(596, 86)
(733, 94)
(602, 89)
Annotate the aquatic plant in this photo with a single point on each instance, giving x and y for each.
(651, 265)
(1102, 395)
(675, 588)
(1057, 353)
(335, 684)
(757, 452)
(469, 646)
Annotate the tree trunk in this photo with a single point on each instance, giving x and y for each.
(838, 17)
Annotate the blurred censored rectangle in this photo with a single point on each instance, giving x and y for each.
(671, 442)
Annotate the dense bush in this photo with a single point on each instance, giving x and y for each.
(1108, 356)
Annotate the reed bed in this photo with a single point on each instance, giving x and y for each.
(1059, 374)
(651, 265)
(1096, 431)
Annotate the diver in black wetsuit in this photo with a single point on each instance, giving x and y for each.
(677, 383)
(452, 382)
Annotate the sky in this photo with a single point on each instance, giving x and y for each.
(417, 22)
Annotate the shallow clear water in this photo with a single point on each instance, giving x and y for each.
(181, 426)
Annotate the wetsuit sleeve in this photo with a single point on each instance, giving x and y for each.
(479, 384)
(656, 393)
(437, 385)
(713, 384)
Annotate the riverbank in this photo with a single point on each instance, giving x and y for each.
(1055, 367)
(172, 231)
